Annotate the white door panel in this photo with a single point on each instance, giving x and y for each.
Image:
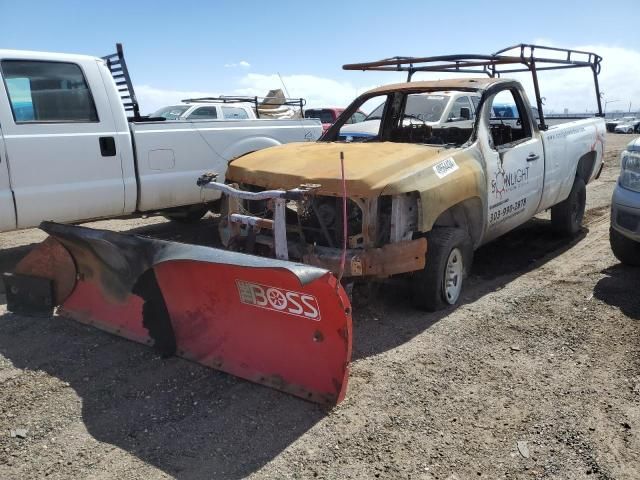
(515, 159)
(515, 180)
(58, 169)
(7, 212)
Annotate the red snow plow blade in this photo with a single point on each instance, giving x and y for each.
(277, 323)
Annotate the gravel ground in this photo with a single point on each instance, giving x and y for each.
(535, 376)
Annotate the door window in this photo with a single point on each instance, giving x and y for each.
(48, 92)
(234, 113)
(204, 113)
(508, 123)
(461, 110)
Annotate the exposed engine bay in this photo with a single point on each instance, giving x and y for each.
(300, 225)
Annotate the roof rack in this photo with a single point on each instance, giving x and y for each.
(260, 103)
(517, 58)
(120, 73)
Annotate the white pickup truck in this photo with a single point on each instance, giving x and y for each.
(69, 153)
(415, 198)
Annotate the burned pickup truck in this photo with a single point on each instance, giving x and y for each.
(416, 198)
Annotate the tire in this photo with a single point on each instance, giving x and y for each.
(567, 216)
(186, 215)
(446, 247)
(625, 249)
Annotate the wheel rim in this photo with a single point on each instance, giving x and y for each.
(452, 282)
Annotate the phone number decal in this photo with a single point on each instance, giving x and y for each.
(506, 212)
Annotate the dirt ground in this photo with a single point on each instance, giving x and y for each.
(535, 376)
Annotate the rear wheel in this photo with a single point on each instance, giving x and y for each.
(566, 216)
(449, 257)
(625, 249)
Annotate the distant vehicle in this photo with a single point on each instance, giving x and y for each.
(69, 153)
(205, 111)
(628, 125)
(624, 234)
(436, 110)
(329, 115)
(612, 124)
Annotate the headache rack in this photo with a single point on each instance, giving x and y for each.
(517, 58)
(118, 68)
(259, 103)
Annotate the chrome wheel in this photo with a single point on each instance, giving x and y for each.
(452, 283)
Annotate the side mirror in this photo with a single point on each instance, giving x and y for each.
(465, 113)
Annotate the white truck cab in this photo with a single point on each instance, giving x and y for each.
(70, 153)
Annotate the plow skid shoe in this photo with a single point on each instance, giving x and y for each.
(277, 323)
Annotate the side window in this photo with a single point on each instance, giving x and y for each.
(203, 113)
(476, 102)
(461, 110)
(48, 92)
(234, 113)
(358, 117)
(507, 122)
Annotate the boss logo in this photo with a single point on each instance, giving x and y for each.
(279, 299)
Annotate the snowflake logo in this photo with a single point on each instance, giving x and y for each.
(276, 299)
(498, 183)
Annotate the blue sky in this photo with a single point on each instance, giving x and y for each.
(183, 47)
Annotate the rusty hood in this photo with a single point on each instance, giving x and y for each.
(369, 167)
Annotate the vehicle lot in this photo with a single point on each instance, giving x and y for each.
(543, 350)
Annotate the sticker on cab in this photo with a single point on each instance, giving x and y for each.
(445, 167)
(278, 299)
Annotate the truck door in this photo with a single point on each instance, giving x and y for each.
(7, 212)
(514, 157)
(60, 141)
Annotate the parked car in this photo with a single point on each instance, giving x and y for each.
(69, 153)
(624, 234)
(329, 115)
(628, 125)
(194, 111)
(612, 124)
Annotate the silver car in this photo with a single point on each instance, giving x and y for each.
(625, 208)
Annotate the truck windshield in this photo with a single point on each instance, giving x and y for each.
(171, 113)
(430, 118)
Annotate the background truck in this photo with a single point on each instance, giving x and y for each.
(433, 109)
(417, 198)
(69, 153)
(329, 115)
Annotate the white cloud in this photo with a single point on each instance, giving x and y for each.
(318, 91)
(241, 63)
(151, 99)
(572, 89)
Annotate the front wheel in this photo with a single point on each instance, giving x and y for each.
(449, 258)
(566, 216)
(625, 249)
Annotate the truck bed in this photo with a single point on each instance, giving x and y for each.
(171, 155)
